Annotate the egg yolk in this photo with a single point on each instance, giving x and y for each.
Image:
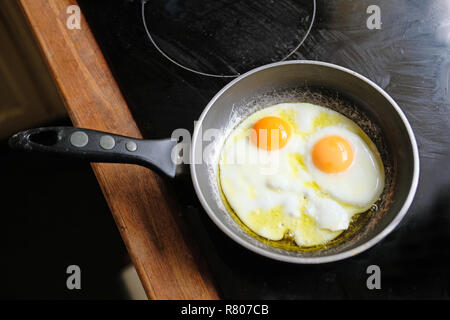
(332, 154)
(270, 133)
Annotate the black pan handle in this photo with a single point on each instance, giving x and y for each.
(97, 146)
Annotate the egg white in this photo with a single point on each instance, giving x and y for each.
(360, 184)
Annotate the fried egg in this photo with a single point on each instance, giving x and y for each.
(299, 171)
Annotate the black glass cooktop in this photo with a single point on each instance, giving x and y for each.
(160, 51)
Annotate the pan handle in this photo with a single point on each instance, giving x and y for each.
(97, 146)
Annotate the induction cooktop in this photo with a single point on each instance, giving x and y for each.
(171, 57)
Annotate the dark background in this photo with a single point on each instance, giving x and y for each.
(46, 230)
(53, 216)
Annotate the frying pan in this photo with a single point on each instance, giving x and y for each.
(316, 82)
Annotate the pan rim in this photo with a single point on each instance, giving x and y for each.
(318, 259)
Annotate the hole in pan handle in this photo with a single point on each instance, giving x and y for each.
(97, 146)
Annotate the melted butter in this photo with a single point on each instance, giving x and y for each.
(309, 234)
(312, 185)
(326, 119)
(272, 223)
(296, 162)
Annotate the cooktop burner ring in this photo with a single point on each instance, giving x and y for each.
(168, 57)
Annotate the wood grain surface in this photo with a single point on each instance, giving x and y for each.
(149, 219)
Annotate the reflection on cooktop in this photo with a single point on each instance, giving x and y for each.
(227, 37)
